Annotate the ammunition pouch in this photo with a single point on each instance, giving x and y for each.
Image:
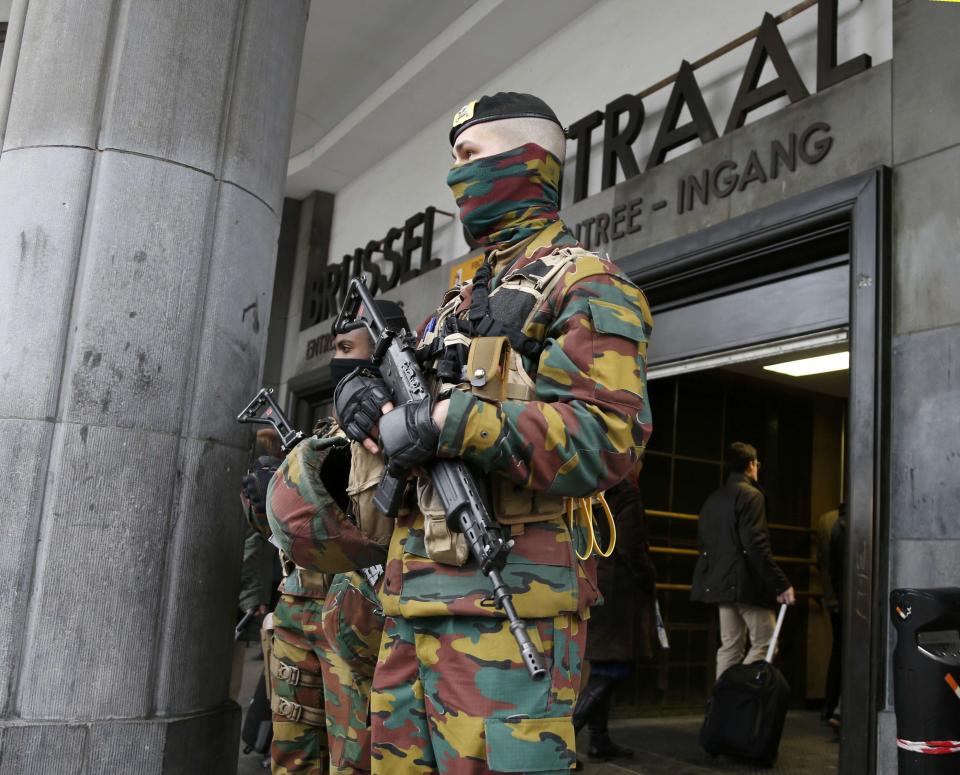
(496, 371)
(442, 544)
(313, 581)
(366, 471)
(516, 505)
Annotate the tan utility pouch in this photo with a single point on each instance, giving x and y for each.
(313, 581)
(266, 645)
(496, 372)
(443, 545)
(515, 505)
(365, 473)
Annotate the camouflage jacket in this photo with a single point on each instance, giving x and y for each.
(319, 505)
(256, 574)
(585, 431)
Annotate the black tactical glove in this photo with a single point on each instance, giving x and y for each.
(408, 435)
(254, 490)
(264, 469)
(357, 401)
(257, 479)
(251, 491)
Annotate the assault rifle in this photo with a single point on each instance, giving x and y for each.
(272, 415)
(263, 410)
(466, 511)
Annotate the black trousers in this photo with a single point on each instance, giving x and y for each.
(834, 679)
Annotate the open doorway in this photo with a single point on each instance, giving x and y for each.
(802, 277)
(798, 425)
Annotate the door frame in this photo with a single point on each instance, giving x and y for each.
(860, 206)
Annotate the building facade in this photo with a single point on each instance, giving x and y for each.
(778, 178)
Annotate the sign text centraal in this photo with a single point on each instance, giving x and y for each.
(622, 118)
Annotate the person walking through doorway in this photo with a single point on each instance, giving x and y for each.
(735, 568)
(831, 552)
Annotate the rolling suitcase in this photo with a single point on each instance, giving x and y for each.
(745, 715)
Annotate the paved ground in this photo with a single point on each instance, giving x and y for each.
(662, 746)
(249, 764)
(668, 746)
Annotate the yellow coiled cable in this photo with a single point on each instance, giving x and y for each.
(585, 507)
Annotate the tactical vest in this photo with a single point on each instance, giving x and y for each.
(493, 366)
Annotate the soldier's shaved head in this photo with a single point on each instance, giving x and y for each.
(520, 131)
(492, 137)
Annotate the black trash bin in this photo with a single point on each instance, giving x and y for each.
(926, 679)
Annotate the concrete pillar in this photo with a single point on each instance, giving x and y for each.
(925, 438)
(144, 152)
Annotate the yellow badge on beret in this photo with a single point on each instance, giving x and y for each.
(465, 113)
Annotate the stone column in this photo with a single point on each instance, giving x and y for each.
(144, 153)
(925, 357)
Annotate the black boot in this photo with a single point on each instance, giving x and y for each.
(605, 748)
(589, 700)
(601, 745)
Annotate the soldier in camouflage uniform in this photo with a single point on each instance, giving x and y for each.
(292, 636)
(299, 723)
(256, 571)
(540, 386)
(320, 530)
(325, 494)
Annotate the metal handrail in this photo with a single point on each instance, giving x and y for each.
(728, 47)
(695, 517)
(807, 593)
(694, 553)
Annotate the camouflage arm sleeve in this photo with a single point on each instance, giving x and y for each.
(589, 426)
(307, 522)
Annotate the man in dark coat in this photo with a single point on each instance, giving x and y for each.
(735, 568)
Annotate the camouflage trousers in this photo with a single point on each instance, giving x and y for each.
(352, 625)
(451, 695)
(298, 746)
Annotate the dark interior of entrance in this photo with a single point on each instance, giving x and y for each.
(797, 425)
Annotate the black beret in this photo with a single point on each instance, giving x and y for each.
(504, 104)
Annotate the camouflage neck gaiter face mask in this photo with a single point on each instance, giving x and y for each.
(508, 197)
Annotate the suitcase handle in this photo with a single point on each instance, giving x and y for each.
(776, 634)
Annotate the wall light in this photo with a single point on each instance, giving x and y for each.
(817, 365)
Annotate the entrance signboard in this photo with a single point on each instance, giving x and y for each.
(622, 119)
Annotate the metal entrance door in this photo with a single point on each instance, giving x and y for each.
(796, 250)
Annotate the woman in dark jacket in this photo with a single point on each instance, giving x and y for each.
(624, 628)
